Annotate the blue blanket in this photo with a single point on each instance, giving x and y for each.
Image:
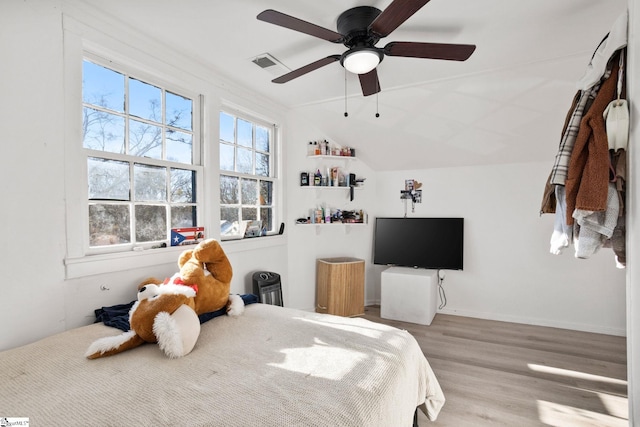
(117, 316)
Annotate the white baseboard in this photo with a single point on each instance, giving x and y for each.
(621, 332)
(537, 322)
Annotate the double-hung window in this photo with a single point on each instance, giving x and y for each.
(141, 145)
(248, 178)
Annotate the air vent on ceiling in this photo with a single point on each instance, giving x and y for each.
(264, 62)
(269, 63)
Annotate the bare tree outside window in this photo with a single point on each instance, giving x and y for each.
(141, 170)
(247, 177)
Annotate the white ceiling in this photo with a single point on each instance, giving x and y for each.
(505, 104)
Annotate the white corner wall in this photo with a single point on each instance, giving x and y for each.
(509, 273)
(633, 219)
(31, 137)
(306, 243)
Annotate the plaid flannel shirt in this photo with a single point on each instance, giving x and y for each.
(561, 164)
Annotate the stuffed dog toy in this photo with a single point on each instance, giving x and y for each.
(167, 312)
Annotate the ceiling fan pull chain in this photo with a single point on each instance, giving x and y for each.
(345, 94)
(377, 113)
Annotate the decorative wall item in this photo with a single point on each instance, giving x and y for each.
(412, 191)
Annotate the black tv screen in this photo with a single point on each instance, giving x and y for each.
(432, 243)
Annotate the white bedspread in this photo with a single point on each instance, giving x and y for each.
(272, 366)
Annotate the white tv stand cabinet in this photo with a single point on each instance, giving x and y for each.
(409, 294)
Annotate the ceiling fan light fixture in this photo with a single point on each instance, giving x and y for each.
(361, 60)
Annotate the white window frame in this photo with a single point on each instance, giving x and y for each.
(81, 38)
(81, 259)
(274, 173)
(196, 165)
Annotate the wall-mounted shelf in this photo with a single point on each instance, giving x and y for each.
(346, 226)
(327, 187)
(331, 157)
(331, 224)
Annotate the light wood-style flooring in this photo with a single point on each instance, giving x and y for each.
(507, 374)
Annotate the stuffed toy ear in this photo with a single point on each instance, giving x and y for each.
(108, 346)
(178, 332)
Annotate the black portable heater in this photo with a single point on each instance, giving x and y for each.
(268, 288)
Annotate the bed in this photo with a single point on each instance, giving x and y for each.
(271, 366)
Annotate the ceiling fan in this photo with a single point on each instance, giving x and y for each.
(359, 29)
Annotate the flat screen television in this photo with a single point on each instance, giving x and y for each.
(432, 243)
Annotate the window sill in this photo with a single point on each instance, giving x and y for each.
(91, 265)
(109, 263)
(252, 243)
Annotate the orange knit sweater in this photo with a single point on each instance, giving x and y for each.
(588, 174)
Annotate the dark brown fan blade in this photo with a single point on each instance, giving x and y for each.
(394, 15)
(369, 82)
(450, 52)
(278, 18)
(306, 69)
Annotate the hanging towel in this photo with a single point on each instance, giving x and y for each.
(596, 227)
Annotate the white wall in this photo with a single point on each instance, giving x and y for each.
(633, 219)
(509, 273)
(32, 214)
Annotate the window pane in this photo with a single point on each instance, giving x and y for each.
(262, 138)
(150, 183)
(102, 131)
(229, 221)
(262, 164)
(109, 225)
(266, 215)
(249, 214)
(179, 111)
(229, 215)
(145, 100)
(183, 184)
(179, 146)
(245, 161)
(108, 179)
(226, 157)
(245, 152)
(183, 216)
(249, 192)
(266, 193)
(102, 87)
(229, 190)
(145, 140)
(226, 127)
(245, 133)
(151, 223)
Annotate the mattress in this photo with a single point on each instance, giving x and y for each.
(271, 366)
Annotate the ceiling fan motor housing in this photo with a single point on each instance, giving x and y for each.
(354, 23)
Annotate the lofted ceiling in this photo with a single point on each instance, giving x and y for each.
(505, 104)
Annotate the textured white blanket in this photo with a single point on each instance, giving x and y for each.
(272, 366)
